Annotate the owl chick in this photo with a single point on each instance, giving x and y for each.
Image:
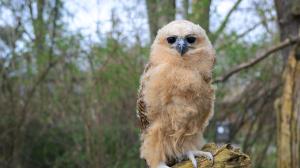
(175, 99)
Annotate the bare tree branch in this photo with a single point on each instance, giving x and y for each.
(225, 21)
(225, 44)
(257, 59)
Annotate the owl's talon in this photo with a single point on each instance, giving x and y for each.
(163, 165)
(192, 158)
(208, 155)
(191, 155)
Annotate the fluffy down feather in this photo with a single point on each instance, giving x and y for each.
(175, 99)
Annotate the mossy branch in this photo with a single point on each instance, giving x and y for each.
(224, 157)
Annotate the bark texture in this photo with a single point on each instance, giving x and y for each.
(288, 118)
(288, 15)
(288, 136)
(224, 156)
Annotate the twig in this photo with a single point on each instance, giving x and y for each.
(257, 59)
(225, 44)
(225, 21)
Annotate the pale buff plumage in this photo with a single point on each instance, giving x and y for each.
(175, 100)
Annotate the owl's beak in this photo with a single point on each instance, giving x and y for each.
(181, 46)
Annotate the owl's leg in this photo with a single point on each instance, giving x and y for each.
(191, 155)
(162, 165)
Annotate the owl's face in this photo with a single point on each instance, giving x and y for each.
(182, 43)
(181, 38)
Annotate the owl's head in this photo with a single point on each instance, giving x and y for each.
(182, 41)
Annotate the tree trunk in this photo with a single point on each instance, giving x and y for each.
(186, 5)
(288, 118)
(288, 15)
(200, 13)
(288, 135)
(39, 26)
(159, 14)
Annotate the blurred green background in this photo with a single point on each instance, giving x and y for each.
(69, 73)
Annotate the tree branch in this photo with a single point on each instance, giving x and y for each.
(224, 156)
(257, 59)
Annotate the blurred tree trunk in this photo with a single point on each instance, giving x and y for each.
(40, 28)
(162, 12)
(200, 13)
(159, 14)
(186, 5)
(288, 16)
(288, 131)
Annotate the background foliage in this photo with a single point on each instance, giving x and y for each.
(67, 99)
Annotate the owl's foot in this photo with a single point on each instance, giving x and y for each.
(163, 165)
(191, 155)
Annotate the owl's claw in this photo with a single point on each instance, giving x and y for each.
(191, 155)
(208, 155)
(163, 165)
(192, 158)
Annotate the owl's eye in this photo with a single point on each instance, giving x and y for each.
(172, 39)
(190, 39)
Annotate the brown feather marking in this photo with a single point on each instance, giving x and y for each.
(141, 105)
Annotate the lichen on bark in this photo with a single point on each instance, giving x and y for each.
(224, 157)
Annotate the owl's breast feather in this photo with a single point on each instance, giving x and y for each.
(175, 79)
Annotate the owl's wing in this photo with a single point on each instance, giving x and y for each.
(141, 104)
